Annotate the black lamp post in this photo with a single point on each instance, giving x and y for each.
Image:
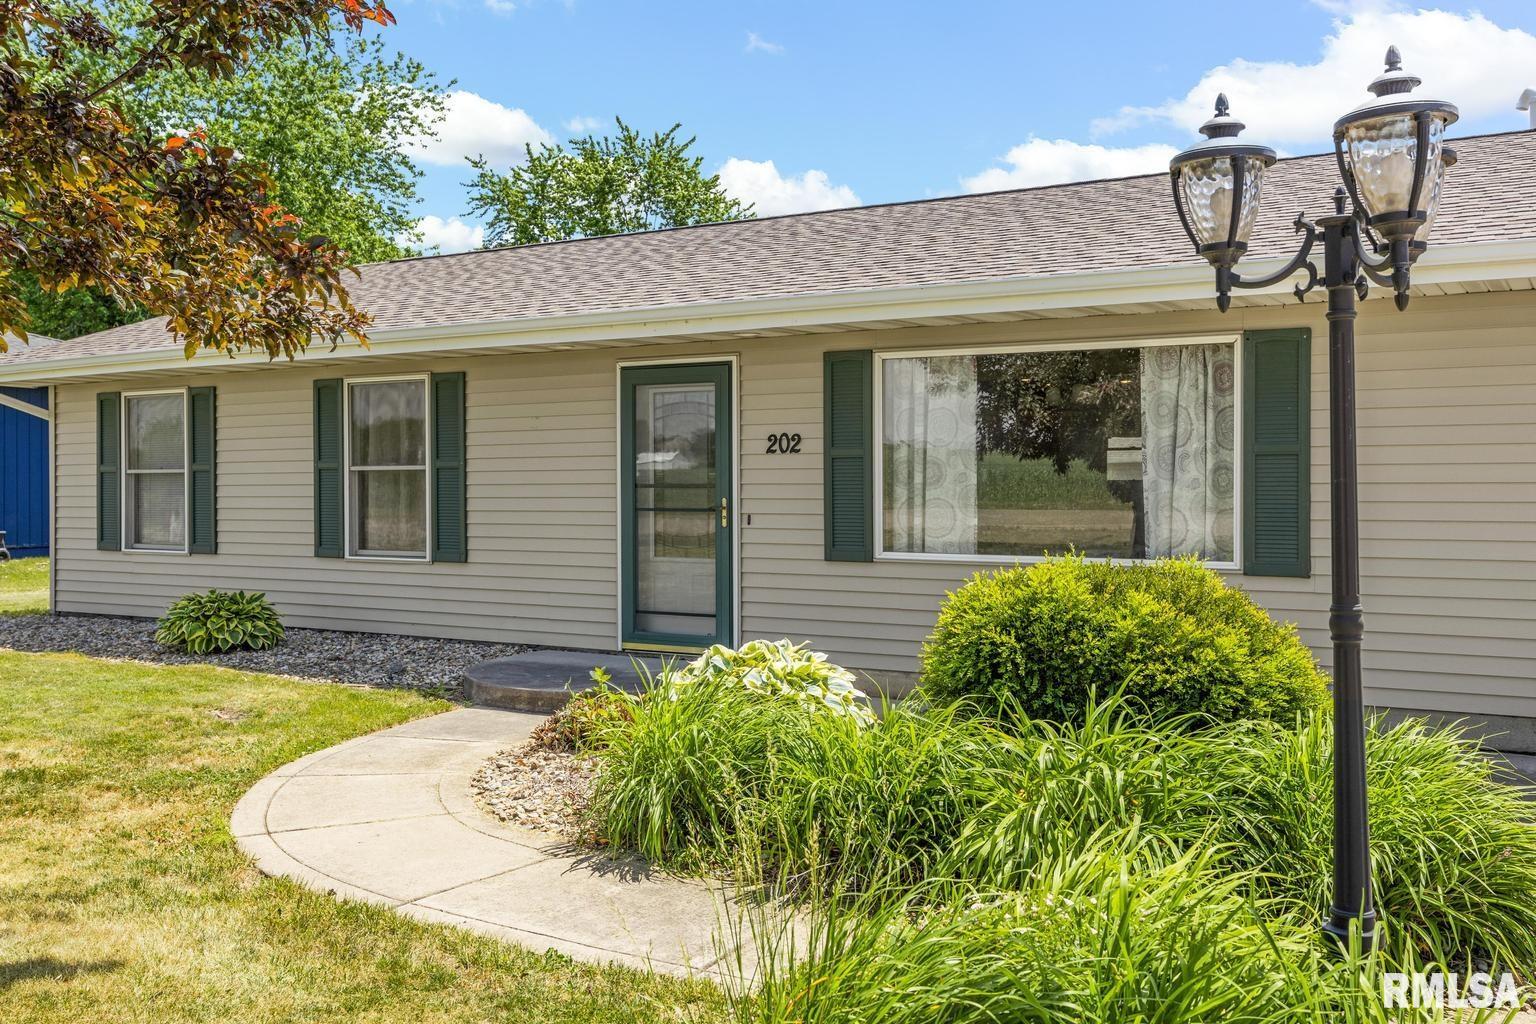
(1392, 158)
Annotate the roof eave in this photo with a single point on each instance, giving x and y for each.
(1446, 264)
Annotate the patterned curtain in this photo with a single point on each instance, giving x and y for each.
(930, 443)
(1188, 449)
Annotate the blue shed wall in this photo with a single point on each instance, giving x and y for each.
(24, 474)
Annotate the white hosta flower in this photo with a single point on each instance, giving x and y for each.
(781, 667)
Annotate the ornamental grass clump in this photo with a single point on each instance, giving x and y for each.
(1100, 935)
(690, 770)
(1112, 931)
(220, 621)
(1040, 640)
(1453, 847)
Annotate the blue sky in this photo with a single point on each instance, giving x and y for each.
(810, 105)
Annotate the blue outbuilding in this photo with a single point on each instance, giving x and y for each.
(24, 424)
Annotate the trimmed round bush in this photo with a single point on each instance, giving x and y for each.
(220, 620)
(1040, 640)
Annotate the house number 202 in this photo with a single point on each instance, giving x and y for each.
(783, 444)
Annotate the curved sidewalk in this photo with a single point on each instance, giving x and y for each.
(389, 818)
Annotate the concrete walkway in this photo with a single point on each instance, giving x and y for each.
(389, 818)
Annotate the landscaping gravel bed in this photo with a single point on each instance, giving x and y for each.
(537, 788)
(369, 659)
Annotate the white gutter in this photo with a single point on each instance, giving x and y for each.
(1482, 261)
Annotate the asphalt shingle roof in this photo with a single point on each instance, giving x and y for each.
(1063, 229)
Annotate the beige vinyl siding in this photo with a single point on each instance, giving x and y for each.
(1448, 502)
(541, 511)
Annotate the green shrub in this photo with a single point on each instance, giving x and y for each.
(1040, 640)
(220, 621)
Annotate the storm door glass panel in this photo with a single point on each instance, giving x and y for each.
(675, 509)
(155, 471)
(388, 446)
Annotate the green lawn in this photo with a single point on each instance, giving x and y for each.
(124, 898)
(24, 585)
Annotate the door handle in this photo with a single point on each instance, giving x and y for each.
(724, 513)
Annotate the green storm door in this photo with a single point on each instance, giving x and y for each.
(677, 515)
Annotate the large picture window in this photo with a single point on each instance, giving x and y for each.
(1112, 452)
(387, 468)
(155, 472)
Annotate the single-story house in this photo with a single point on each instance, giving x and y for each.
(24, 513)
(815, 425)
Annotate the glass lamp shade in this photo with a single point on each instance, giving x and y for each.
(1382, 153)
(1206, 185)
(1393, 154)
(1215, 178)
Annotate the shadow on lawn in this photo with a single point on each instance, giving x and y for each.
(13, 972)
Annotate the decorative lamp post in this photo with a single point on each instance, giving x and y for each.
(1392, 158)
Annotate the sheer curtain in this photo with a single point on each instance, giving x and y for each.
(1188, 449)
(930, 443)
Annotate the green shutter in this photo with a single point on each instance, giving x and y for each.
(203, 536)
(109, 471)
(848, 437)
(328, 468)
(1277, 456)
(449, 526)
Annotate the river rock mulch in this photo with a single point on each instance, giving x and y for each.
(322, 655)
(538, 788)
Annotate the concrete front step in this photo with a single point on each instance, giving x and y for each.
(542, 681)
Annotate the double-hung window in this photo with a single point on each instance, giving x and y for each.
(1125, 452)
(155, 471)
(387, 474)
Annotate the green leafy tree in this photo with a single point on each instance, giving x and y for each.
(179, 224)
(599, 186)
(330, 123)
(72, 312)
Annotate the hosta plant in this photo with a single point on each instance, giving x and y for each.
(780, 667)
(220, 620)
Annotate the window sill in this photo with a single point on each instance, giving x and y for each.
(153, 551)
(406, 559)
(917, 556)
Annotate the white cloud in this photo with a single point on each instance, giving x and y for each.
(757, 44)
(1053, 161)
(582, 125)
(451, 235)
(476, 126)
(1464, 58)
(500, 6)
(760, 183)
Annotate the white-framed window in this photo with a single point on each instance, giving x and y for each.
(1125, 450)
(155, 471)
(389, 486)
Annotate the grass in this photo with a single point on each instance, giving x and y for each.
(1006, 481)
(24, 586)
(124, 898)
